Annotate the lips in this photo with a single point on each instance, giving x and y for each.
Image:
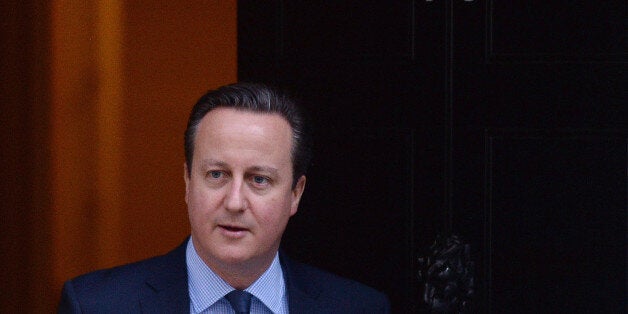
(233, 231)
(232, 228)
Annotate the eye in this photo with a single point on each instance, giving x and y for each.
(260, 180)
(215, 174)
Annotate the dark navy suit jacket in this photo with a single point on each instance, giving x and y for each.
(160, 285)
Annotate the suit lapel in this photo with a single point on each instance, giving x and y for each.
(300, 302)
(166, 290)
(302, 295)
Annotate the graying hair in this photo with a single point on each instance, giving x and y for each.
(255, 98)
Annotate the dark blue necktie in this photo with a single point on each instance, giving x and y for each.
(240, 301)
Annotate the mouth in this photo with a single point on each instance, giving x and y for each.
(233, 231)
(232, 228)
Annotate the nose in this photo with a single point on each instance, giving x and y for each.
(235, 200)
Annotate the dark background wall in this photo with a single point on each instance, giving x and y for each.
(502, 122)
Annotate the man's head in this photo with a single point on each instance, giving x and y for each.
(240, 178)
(256, 98)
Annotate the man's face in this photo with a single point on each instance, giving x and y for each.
(239, 188)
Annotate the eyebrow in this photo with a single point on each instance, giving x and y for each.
(270, 170)
(214, 162)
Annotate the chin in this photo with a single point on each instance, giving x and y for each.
(234, 255)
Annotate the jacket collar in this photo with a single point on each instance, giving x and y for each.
(166, 289)
(302, 292)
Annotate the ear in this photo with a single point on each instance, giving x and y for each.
(297, 191)
(186, 178)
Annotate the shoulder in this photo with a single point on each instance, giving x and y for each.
(122, 285)
(117, 278)
(130, 276)
(331, 290)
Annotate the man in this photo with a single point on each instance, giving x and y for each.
(246, 157)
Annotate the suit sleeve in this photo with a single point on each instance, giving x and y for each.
(68, 304)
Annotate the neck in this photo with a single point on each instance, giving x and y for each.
(243, 275)
(240, 275)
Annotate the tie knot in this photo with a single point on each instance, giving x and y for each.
(240, 301)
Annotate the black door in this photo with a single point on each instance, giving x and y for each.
(499, 121)
(539, 152)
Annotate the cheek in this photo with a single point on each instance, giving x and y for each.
(276, 213)
(200, 205)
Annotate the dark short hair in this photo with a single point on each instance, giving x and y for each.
(254, 98)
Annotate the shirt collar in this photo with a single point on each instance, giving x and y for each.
(270, 286)
(206, 287)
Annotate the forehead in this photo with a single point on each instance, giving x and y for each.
(242, 119)
(245, 129)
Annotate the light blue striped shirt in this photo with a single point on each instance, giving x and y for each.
(207, 289)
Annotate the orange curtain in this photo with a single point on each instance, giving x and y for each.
(110, 84)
